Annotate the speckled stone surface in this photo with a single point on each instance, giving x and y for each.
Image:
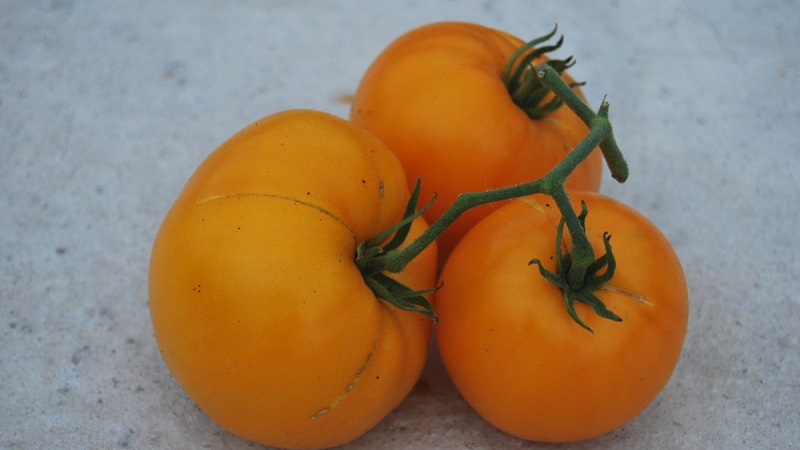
(106, 107)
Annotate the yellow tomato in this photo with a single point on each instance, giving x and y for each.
(436, 97)
(517, 356)
(257, 305)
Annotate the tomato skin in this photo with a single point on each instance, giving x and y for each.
(436, 97)
(515, 354)
(257, 305)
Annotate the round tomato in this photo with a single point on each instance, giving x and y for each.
(436, 97)
(517, 356)
(258, 307)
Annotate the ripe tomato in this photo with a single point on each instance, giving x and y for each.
(257, 306)
(436, 97)
(516, 355)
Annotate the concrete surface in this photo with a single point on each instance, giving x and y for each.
(107, 106)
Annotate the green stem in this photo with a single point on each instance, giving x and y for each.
(552, 184)
(553, 81)
(611, 152)
(577, 272)
(582, 254)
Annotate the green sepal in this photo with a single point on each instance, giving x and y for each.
(607, 260)
(402, 227)
(522, 82)
(520, 68)
(584, 291)
(598, 306)
(569, 302)
(401, 296)
(369, 256)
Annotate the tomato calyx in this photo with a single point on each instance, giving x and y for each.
(593, 277)
(522, 82)
(369, 259)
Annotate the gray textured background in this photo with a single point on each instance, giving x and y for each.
(107, 106)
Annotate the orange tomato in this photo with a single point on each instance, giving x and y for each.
(516, 355)
(436, 97)
(257, 305)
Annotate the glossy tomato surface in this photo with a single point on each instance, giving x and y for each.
(436, 97)
(516, 355)
(257, 305)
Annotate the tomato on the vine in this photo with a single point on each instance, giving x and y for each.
(439, 97)
(258, 306)
(515, 353)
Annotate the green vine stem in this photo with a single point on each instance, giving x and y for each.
(611, 152)
(375, 260)
(551, 184)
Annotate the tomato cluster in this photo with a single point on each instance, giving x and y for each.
(276, 295)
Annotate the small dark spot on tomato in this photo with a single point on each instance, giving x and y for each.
(377, 377)
(308, 193)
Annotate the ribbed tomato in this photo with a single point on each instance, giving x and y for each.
(258, 306)
(438, 97)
